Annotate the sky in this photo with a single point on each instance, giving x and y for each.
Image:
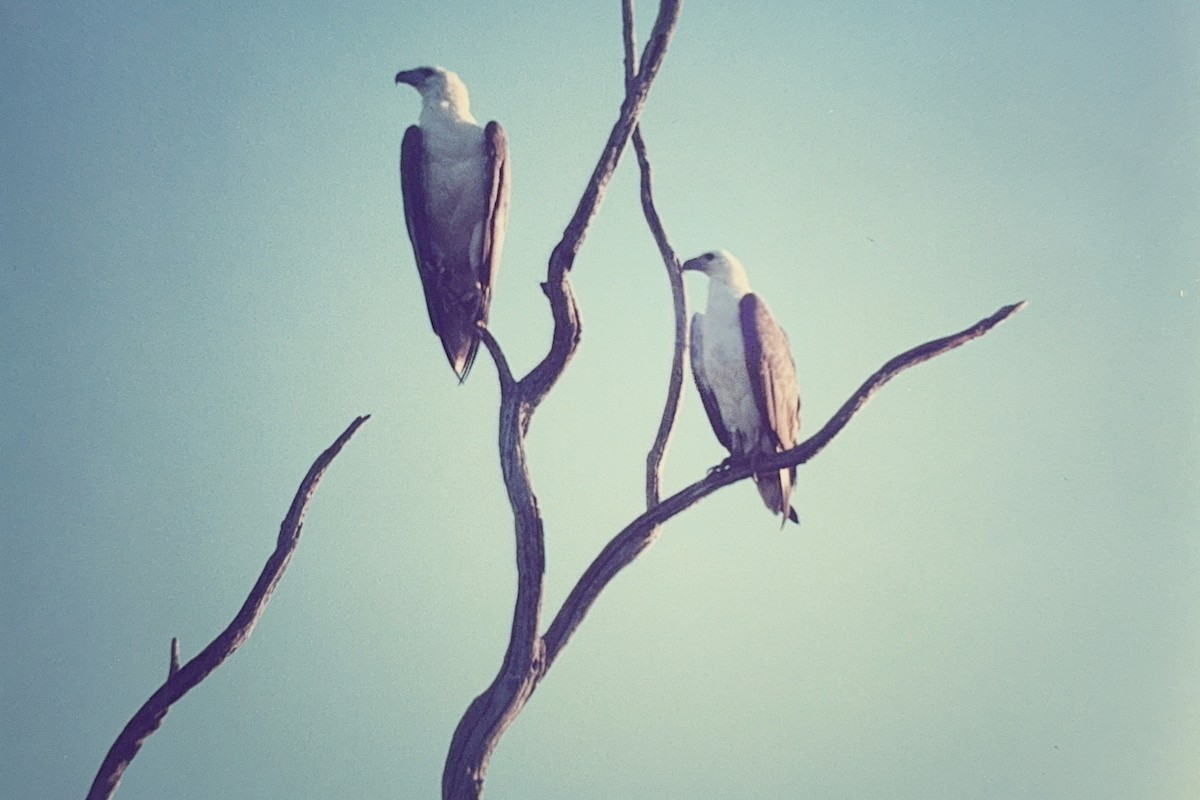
(204, 277)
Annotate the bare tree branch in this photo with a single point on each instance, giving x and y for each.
(503, 371)
(529, 656)
(628, 43)
(638, 534)
(566, 329)
(490, 714)
(180, 680)
(662, 438)
(658, 451)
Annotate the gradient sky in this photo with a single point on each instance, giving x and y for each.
(204, 276)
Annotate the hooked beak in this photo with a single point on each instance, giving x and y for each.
(696, 264)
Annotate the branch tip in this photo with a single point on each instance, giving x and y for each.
(493, 347)
(149, 717)
(623, 548)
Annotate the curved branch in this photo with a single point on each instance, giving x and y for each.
(804, 451)
(180, 680)
(658, 450)
(490, 714)
(566, 331)
(662, 438)
(638, 534)
(503, 371)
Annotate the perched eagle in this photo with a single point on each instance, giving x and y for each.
(743, 368)
(454, 178)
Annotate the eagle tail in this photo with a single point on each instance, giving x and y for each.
(775, 488)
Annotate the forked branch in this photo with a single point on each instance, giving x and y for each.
(490, 714)
(635, 537)
(529, 655)
(181, 679)
(562, 302)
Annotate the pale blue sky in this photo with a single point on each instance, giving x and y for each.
(204, 277)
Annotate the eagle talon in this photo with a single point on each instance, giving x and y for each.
(724, 466)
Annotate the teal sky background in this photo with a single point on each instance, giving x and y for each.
(204, 277)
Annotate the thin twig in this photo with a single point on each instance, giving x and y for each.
(633, 539)
(629, 43)
(181, 679)
(658, 451)
(804, 451)
(662, 438)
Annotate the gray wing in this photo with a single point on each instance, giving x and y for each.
(771, 369)
(707, 396)
(416, 217)
(497, 174)
(773, 379)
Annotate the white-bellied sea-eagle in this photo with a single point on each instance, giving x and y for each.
(743, 367)
(454, 176)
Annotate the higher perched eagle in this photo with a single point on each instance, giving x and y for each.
(454, 177)
(743, 367)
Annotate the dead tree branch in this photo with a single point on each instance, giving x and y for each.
(637, 535)
(490, 714)
(662, 438)
(529, 655)
(658, 450)
(180, 680)
(562, 301)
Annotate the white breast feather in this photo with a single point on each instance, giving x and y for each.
(725, 367)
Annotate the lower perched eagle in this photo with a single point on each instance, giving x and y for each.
(743, 368)
(454, 178)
